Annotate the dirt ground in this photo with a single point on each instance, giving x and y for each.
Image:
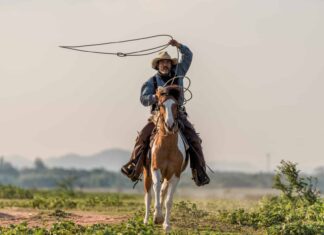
(43, 218)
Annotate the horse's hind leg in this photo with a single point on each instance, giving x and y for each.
(156, 177)
(148, 194)
(173, 182)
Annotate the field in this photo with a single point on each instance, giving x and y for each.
(63, 213)
(297, 209)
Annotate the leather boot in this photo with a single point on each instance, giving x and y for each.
(197, 161)
(128, 168)
(134, 168)
(198, 165)
(200, 176)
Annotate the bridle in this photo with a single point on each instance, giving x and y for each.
(175, 127)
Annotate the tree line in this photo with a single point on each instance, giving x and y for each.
(40, 176)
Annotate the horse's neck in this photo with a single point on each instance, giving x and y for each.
(160, 128)
(165, 137)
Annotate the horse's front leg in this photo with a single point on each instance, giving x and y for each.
(173, 182)
(157, 177)
(148, 194)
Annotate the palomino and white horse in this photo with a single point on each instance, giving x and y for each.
(168, 157)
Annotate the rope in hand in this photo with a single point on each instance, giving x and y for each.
(143, 52)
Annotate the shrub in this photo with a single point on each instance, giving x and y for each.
(13, 192)
(298, 210)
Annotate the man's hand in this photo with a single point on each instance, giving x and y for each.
(174, 43)
(155, 99)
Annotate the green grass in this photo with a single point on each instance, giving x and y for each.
(190, 216)
(298, 210)
(219, 216)
(187, 218)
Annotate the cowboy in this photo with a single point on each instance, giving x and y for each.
(167, 68)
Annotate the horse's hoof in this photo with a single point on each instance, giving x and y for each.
(167, 228)
(158, 219)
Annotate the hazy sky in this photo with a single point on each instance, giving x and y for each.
(257, 76)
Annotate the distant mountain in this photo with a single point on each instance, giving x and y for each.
(113, 159)
(109, 159)
(18, 161)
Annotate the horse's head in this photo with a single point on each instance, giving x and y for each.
(168, 100)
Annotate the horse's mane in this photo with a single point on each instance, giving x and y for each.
(172, 90)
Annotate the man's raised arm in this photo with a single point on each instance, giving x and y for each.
(186, 59)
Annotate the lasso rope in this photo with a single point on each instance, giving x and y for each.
(123, 54)
(143, 52)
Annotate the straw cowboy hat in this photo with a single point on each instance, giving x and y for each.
(163, 55)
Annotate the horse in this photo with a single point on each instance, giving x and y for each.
(167, 157)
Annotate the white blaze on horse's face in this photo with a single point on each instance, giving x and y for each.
(169, 120)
